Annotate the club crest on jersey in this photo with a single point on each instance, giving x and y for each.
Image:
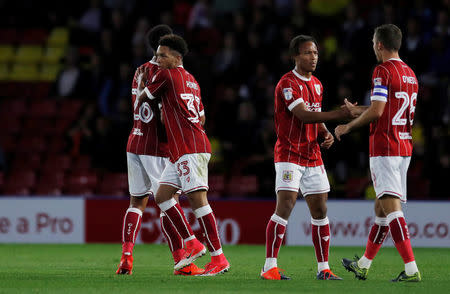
(287, 92)
(377, 81)
(288, 176)
(317, 89)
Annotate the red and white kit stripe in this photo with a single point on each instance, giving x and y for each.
(395, 83)
(182, 109)
(297, 141)
(147, 137)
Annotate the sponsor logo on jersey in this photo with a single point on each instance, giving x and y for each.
(317, 89)
(313, 106)
(287, 92)
(191, 85)
(137, 132)
(288, 176)
(377, 81)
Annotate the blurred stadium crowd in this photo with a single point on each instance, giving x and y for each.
(65, 84)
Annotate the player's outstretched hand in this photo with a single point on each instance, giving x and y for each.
(341, 130)
(328, 141)
(350, 108)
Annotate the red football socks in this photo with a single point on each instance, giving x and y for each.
(376, 238)
(321, 238)
(131, 225)
(176, 216)
(207, 221)
(173, 238)
(276, 227)
(400, 235)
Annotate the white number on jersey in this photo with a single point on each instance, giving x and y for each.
(192, 103)
(145, 113)
(397, 120)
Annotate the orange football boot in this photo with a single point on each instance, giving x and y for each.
(125, 265)
(274, 273)
(190, 270)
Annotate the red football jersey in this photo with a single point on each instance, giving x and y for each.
(297, 141)
(396, 84)
(182, 109)
(147, 136)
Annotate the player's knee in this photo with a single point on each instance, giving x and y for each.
(319, 212)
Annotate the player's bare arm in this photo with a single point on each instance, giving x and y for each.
(353, 108)
(202, 120)
(307, 116)
(373, 113)
(328, 138)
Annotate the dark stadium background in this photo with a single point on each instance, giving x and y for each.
(68, 137)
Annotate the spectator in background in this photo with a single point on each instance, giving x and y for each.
(91, 20)
(226, 61)
(114, 89)
(71, 81)
(200, 16)
(139, 34)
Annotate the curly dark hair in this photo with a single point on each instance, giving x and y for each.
(156, 33)
(174, 42)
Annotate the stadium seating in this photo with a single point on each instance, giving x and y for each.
(243, 185)
(355, 187)
(114, 184)
(31, 144)
(49, 72)
(8, 143)
(6, 53)
(20, 183)
(81, 163)
(31, 161)
(33, 36)
(51, 182)
(42, 109)
(13, 123)
(28, 54)
(53, 55)
(8, 36)
(24, 72)
(14, 107)
(216, 185)
(59, 37)
(56, 163)
(4, 71)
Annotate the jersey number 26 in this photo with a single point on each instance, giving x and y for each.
(407, 101)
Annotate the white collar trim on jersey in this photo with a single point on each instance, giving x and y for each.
(398, 59)
(153, 61)
(299, 75)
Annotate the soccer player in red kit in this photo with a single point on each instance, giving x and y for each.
(147, 157)
(190, 152)
(299, 124)
(391, 114)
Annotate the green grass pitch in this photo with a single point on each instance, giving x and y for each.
(91, 269)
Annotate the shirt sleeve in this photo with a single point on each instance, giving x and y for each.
(157, 85)
(291, 93)
(380, 80)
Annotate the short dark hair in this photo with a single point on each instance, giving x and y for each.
(174, 42)
(156, 33)
(295, 44)
(390, 36)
